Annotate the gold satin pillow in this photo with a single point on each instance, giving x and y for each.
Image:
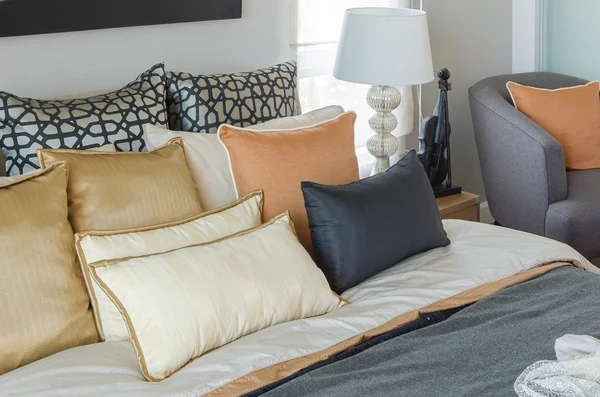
(109, 191)
(571, 115)
(44, 306)
(279, 160)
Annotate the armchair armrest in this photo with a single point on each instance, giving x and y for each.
(522, 165)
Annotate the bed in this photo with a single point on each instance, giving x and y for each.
(464, 320)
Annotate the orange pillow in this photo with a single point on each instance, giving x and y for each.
(277, 161)
(571, 115)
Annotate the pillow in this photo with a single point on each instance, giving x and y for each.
(571, 115)
(98, 246)
(110, 191)
(202, 103)
(207, 159)
(45, 307)
(181, 304)
(302, 120)
(365, 227)
(2, 164)
(8, 179)
(278, 161)
(117, 117)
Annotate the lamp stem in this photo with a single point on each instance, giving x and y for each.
(383, 99)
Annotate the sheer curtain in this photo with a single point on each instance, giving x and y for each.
(315, 32)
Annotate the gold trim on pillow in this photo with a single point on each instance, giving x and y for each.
(132, 335)
(176, 223)
(130, 327)
(84, 263)
(110, 262)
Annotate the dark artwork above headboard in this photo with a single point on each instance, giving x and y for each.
(26, 17)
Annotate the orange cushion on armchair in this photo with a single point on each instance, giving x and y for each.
(571, 115)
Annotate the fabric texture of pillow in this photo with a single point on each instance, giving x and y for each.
(117, 117)
(307, 119)
(181, 304)
(202, 103)
(365, 227)
(8, 179)
(571, 115)
(45, 306)
(2, 164)
(110, 191)
(207, 159)
(98, 246)
(278, 161)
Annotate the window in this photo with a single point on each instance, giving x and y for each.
(316, 27)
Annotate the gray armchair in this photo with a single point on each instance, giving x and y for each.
(527, 185)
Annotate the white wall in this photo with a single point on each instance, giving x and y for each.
(57, 64)
(473, 39)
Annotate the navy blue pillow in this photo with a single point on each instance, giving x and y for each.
(365, 227)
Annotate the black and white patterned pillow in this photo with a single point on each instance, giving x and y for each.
(202, 103)
(117, 117)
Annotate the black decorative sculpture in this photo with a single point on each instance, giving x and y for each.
(434, 142)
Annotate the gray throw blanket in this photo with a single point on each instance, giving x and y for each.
(479, 351)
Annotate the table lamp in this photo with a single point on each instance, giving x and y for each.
(384, 48)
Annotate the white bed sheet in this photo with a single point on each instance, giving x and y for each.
(478, 254)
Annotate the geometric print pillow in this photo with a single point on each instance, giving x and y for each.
(202, 103)
(114, 118)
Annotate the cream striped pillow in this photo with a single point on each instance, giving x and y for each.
(180, 304)
(242, 214)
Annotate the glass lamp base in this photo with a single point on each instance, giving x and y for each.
(383, 99)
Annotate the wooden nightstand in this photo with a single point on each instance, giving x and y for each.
(463, 206)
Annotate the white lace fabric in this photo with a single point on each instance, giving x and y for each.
(576, 373)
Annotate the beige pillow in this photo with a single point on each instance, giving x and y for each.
(279, 161)
(184, 303)
(110, 191)
(207, 159)
(44, 307)
(110, 148)
(98, 246)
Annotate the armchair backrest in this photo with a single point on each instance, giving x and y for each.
(522, 165)
(546, 80)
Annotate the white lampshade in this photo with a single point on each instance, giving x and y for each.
(384, 46)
